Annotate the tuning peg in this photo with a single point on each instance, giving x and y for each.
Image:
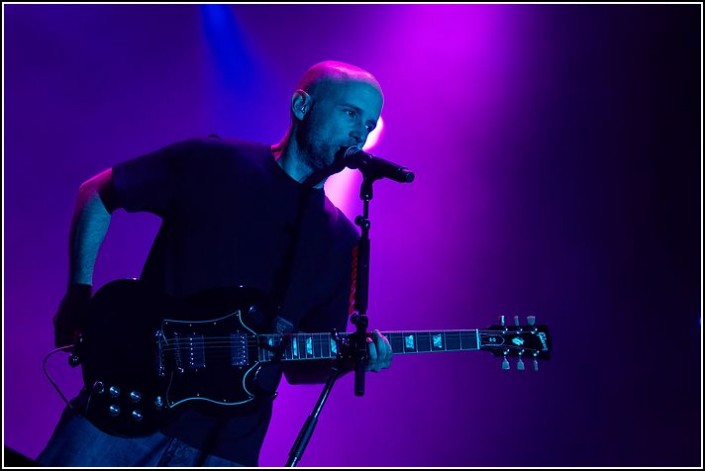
(531, 320)
(505, 364)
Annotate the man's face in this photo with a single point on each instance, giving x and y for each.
(343, 113)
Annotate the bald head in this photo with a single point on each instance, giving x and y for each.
(335, 106)
(327, 72)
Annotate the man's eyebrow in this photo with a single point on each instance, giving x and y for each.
(359, 110)
(350, 105)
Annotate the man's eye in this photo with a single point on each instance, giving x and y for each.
(351, 113)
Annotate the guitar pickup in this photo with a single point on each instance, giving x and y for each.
(196, 352)
(238, 350)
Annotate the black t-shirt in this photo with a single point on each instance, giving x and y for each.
(228, 214)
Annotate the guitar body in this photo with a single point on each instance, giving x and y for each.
(144, 353)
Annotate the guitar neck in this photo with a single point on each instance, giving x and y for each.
(433, 341)
(321, 346)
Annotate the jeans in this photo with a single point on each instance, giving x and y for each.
(77, 442)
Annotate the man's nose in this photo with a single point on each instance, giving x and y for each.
(359, 136)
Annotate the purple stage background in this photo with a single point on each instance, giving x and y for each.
(558, 174)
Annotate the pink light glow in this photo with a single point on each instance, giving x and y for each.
(374, 136)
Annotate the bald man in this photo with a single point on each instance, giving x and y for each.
(234, 213)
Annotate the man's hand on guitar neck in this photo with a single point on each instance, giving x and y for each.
(70, 317)
(380, 351)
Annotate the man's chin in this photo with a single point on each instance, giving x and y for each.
(328, 158)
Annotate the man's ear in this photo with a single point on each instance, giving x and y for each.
(300, 103)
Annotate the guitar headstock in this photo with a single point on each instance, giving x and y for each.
(528, 342)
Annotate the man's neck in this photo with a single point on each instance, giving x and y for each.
(289, 158)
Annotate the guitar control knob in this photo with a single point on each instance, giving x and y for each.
(98, 387)
(505, 364)
(74, 360)
(135, 396)
(114, 391)
(516, 321)
(114, 410)
(137, 415)
(531, 320)
(159, 402)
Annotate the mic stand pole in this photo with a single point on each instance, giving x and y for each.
(362, 277)
(307, 430)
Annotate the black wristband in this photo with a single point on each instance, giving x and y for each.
(79, 292)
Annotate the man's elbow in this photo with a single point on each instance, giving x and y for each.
(98, 188)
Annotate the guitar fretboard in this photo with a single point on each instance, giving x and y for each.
(321, 346)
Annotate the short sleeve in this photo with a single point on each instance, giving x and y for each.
(149, 182)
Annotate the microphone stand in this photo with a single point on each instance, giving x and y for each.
(362, 279)
(361, 274)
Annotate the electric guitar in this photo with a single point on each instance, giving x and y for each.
(143, 353)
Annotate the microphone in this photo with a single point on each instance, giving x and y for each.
(374, 167)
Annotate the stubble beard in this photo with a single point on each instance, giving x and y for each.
(313, 151)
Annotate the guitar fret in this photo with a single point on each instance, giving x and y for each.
(306, 339)
(302, 346)
(317, 345)
(452, 341)
(325, 345)
(465, 340)
(286, 355)
(423, 341)
(395, 340)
